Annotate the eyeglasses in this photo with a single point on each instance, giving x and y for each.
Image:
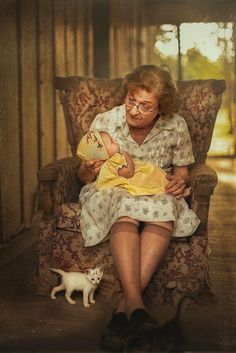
(142, 107)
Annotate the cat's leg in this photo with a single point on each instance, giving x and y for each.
(91, 297)
(68, 296)
(57, 289)
(86, 298)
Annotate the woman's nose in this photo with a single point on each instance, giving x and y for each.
(134, 110)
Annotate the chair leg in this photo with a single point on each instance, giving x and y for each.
(44, 278)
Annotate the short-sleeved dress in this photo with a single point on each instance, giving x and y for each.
(167, 144)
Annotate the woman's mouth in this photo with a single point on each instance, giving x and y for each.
(136, 117)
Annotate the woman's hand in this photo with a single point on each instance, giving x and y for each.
(127, 171)
(176, 186)
(95, 165)
(88, 170)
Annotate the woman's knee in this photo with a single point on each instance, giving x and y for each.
(128, 219)
(125, 225)
(160, 228)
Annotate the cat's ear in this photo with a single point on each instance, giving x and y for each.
(101, 268)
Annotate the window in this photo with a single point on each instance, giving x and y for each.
(203, 50)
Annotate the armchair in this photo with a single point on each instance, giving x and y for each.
(185, 268)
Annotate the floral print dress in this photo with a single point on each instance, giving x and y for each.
(167, 144)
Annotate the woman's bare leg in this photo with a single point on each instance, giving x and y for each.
(125, 248)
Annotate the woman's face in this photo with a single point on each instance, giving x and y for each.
(141, 108)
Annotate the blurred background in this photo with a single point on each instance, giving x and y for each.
(41, 39)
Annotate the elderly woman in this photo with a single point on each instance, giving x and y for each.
(146, 126)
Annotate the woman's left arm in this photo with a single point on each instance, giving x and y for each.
(127, 171)
(178, 181)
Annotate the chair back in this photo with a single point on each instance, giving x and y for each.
(83, 98)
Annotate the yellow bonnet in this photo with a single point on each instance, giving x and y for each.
(91, 146)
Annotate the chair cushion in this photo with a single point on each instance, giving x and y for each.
(69, 216)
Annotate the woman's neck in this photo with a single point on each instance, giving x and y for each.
(139, 134)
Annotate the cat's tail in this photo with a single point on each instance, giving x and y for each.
(57, 270)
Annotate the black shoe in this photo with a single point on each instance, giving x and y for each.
(141, 323)
(114, 337)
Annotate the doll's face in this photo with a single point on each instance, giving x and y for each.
(111, 145)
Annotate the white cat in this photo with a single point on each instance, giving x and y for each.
(86, 282)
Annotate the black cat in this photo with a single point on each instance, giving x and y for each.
(168, 338)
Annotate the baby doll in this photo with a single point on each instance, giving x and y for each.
(119, 169)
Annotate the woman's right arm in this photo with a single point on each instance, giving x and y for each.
(88, 170)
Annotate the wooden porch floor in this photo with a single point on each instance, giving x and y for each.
(37, 324)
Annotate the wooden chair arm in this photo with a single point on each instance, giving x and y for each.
(203, 181)
(59, 183)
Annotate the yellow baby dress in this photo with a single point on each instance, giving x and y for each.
(148, 179)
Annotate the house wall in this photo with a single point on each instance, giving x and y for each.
(39, 39)
(131, 36)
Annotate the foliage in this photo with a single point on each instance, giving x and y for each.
(195, 64)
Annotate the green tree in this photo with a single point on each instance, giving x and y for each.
(196, 65)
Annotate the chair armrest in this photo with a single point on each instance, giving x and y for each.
(203, 181)
(59, 183)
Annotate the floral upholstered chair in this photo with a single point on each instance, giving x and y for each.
(185, 267)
